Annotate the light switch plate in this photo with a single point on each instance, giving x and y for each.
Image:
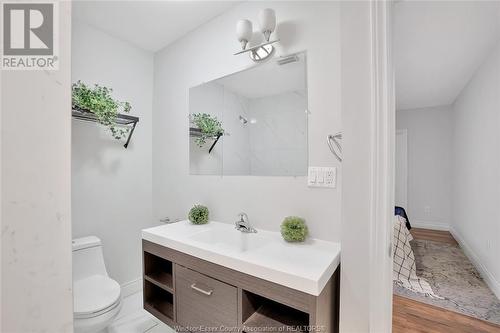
(312, 176)
(322, 177)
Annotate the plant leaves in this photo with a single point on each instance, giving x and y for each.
(98, 100)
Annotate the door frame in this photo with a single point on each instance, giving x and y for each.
(403, 132)
(368, 121)
(383, 139)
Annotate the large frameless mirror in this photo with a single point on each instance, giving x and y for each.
(253, 122)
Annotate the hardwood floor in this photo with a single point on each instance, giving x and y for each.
(410, 316)
(433, 235)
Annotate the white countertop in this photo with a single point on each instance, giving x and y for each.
(302, 266)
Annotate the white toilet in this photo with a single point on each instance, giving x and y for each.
(96, 297)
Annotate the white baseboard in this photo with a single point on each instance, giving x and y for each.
(429, 225)
(485, 274)
(131, 287)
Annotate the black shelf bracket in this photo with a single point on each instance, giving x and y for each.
(121, 119)
(215, 142)
(196, 132)
(130, 134)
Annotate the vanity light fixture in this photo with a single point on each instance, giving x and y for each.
(244, 32)
(267, 25)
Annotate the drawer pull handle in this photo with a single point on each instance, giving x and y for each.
(208, 293)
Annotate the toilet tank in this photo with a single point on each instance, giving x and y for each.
(88, 258)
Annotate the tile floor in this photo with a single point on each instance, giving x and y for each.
(134, 319)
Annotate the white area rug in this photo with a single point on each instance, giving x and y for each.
(452, 276)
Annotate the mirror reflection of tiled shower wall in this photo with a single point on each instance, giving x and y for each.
(263, 111)
(278, 134)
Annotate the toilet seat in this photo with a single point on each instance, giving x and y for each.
(94, 296)
(98, 313)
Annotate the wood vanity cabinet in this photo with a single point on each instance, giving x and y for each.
(203, 301)
(189, 294)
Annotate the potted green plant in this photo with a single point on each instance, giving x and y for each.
(294, 229)
(198, 214)
(98, 101)
(209, 126)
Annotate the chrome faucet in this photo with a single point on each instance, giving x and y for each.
(243, 224)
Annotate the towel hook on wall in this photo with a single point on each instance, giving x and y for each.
(337, 148)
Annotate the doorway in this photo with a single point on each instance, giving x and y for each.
(447, 64)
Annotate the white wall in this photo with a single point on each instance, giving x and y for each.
(206, 54)
(36, 215)
(355, 286)
(111, 185)
(476, 177)
(429, 165)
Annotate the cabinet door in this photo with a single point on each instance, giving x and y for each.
(203, 301)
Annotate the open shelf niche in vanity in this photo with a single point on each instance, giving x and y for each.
(258, 311)
(159, 287)
(186, 291)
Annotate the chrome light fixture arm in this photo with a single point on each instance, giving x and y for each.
(260, 52)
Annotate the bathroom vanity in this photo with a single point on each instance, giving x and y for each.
(215, 278)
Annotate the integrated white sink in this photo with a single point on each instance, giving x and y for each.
(231, 240)
(302, 266)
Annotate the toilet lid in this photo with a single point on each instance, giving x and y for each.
(94, 294)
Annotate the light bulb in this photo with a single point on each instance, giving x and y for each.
(244, 32)
(267, 22)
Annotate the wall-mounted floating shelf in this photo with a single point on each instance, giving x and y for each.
(121, 119)
(195, 132)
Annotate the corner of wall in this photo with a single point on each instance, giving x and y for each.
(487, 276)
(432, 225)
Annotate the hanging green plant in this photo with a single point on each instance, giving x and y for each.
(98, 100)
(209, 125)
